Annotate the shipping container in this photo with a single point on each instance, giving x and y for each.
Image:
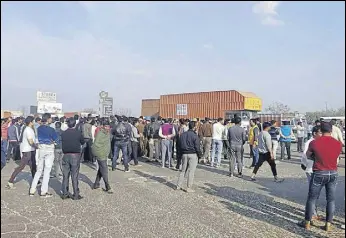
(207, 104)
(150, 107)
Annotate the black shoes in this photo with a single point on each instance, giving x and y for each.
(79, 197)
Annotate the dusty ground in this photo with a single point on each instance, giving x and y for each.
(145, 205)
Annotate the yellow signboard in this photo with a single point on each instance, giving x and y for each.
(254, 104)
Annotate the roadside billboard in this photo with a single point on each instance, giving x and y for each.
(49, 107)
(45, 96)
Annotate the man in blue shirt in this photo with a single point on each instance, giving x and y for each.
(47, 138)
(286, 134)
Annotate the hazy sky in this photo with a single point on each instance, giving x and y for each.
(292, 52)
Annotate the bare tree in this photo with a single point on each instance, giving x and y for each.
(278, 108)
(312, 116)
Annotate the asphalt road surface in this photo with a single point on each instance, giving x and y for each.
(144, 204)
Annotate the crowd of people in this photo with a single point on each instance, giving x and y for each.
(55, 148)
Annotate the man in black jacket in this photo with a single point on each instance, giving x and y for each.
(191, 152)
(122, 135)
(154, 139)
(71, 141)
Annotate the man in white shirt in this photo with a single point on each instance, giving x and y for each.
(218, 132)
(28, 149)
(336, 132)
(300, 135)
(63, 124)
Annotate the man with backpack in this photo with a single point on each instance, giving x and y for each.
(122, 134)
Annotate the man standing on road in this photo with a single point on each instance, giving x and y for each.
(167, 133)
(300, 135)
(71, 142)
(122, 135)
(274, 133)
(4, 134)
(28, 148)
(218, 131)
(13, 140)
(325, 151)
(154, 139)
(286, 134)
(253, 141)
(190, 148)
(265, 152)
(307, 164)
(336, 132)
(135, 144)
(206, 133)
(236, 138)
(47, 138)
(101, 149)
(58, 152)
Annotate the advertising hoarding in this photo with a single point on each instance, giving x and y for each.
(49, 107)
(45, 96)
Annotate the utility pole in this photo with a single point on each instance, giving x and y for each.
(326, 106)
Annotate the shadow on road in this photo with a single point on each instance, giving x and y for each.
(155, 178)
(262, 208)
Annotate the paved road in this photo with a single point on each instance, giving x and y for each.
(145, 205)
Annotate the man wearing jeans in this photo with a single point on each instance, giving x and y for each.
(47, 138)
(253, 142)
(167, 134)
(122, 135)
(218, 131)
(325, 151)
(307, 164)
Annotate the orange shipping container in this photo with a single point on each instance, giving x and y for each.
(207, 104)
(150, 107)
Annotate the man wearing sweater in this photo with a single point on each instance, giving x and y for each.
(189, 144)
(101, 149)
(47, 138)
(218, 131)
(71, 142)
(265, 152)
